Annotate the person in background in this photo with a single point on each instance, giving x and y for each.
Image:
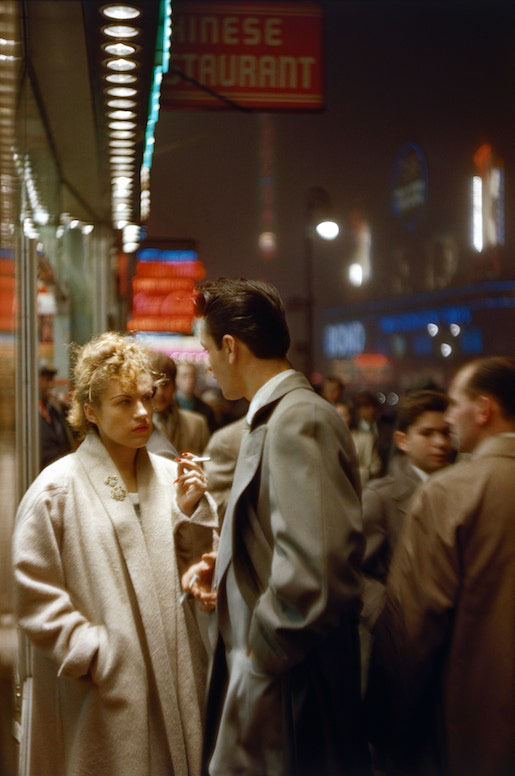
(184, 429)
(222, 450)
(186, 396)
(370, 418)
(287, 579)
(333, 389)
(100, 541)
(370, 463)
(423, 439)
(367, 409)
(225, 411)
(55, 436)
(441, 695)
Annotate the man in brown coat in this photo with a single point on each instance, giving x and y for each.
(184, 429)
(441, 697)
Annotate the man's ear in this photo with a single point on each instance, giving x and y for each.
(90, 414)
(485, 407)
(230, 347)
(400, 440)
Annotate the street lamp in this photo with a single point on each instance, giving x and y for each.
(319, 220)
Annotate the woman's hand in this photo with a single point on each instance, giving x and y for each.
(197, 581)
(191, 483)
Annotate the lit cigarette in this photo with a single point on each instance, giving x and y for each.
(185, 593)
(198, 458)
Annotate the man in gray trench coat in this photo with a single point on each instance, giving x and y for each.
(284, 697)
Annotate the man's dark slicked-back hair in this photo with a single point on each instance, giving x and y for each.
(494, 376)
(250, 310)
(415, 403)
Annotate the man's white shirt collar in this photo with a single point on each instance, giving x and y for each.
(422, 474)
(265, 391)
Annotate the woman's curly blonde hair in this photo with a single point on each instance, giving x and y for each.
(98, 361)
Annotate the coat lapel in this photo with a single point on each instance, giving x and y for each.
(108, 484)
(247, 465)
(249, 459)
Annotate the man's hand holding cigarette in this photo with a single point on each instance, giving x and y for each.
(197, 581)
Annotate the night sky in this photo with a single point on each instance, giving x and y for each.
(440, 75)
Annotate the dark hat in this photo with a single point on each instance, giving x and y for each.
(46, 369)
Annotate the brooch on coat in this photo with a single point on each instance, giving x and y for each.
(117, 492)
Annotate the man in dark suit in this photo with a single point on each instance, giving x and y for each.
(55, 437)
(284, 697)
(371, 418)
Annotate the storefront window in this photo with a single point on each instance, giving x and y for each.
(10, 68)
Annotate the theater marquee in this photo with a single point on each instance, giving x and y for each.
(257, 55)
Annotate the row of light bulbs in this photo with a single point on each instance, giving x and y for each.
(9, 74)
(121, 102)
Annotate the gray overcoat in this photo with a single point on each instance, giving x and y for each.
(285, 687)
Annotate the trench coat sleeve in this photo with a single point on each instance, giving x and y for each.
(317, 544)
(412, 630)
(45, 610)
(375, 529)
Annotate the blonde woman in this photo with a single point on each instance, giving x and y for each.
(100, 541)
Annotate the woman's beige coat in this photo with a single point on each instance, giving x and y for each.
(119, 666)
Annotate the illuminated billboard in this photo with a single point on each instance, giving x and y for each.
(163, 289)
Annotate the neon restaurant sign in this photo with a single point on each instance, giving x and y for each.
(246, 55)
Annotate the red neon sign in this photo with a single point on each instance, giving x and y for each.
(260, 55)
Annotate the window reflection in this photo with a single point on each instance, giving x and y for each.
(9, 210)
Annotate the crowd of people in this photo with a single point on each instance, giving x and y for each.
(358, 577)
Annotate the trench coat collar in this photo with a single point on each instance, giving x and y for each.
(290, 383)
(157, 508)
(249, 459)
(497, 444)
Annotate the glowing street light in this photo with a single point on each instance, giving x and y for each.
(328, 230)
(320, 221)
